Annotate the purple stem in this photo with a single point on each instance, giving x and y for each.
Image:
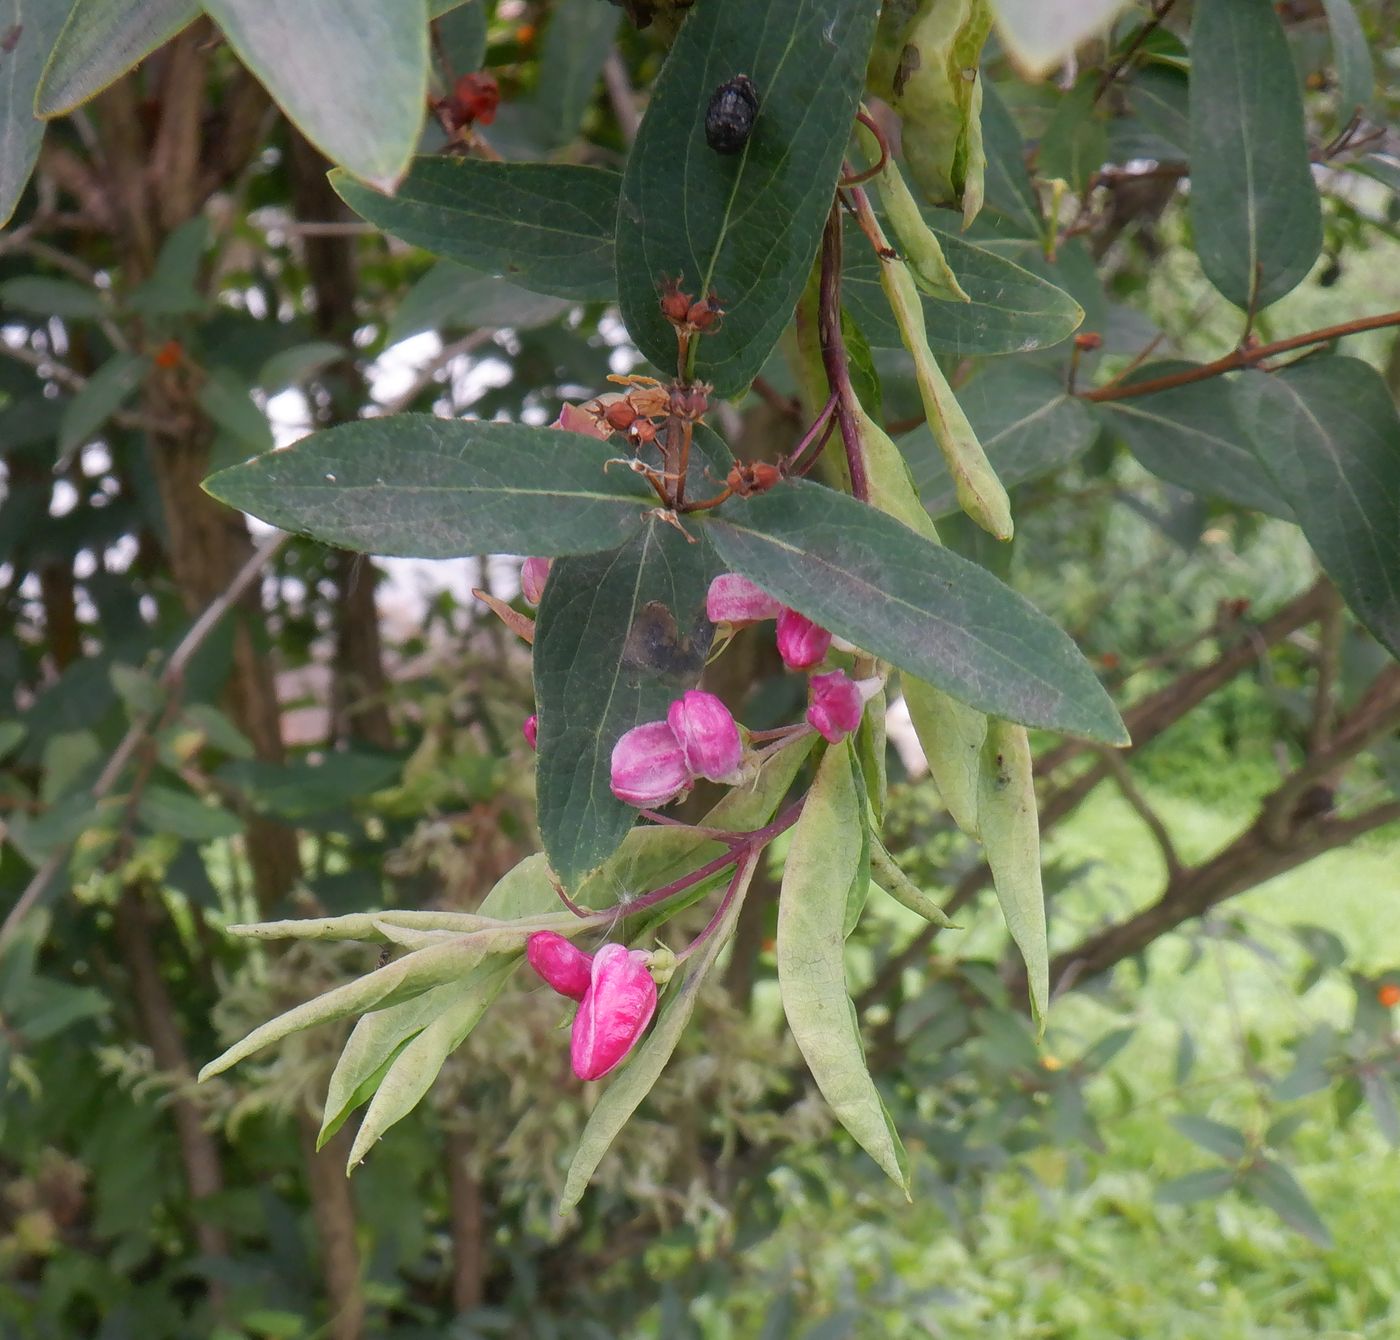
(834, 354)
(822, 421)
(737, 880)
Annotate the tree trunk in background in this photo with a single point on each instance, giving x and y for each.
(333, 1208)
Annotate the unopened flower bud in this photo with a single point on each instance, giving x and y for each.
(572, 419)
(530, 729)
(801, 643)
(708, 736)
(615, 1011)
(735, 599)
(533, 571)
(561, 963)
(674, 303)
(837, 703)
(648, 766)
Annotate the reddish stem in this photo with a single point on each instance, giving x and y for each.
(834, 354)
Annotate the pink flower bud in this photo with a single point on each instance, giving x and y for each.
(801, 643)
(572, 419)
(530, 729)
(837, 703)
(614, 1013)
(648, 766)
(735, 599)
(561, 963)
(708, 736)
(533, 571)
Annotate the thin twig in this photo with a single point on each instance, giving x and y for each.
(1123, 777)
(1109, 75)
(838, 374)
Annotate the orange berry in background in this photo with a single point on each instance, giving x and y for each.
(1389, 995)
(168, 355)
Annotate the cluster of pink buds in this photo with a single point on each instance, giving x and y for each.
(615, 991)
(837, 700)
(657, 761)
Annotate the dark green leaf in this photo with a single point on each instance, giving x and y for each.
(1254, 208)
(545, 226)
(1213, 1136)
(174, 287)
(33, 26)
(105, 392)
(746, 224)
(1008, 184)
(1159, 126)
(1379, 1089)
(225, 399)
(1327, 432)
(420, 487)
(101, 41)
(1277, 1188)
(297, 365)
(162, 809)
(1027, 424)
(451, 297)
(461, 32)
(1075, 142)
(1356, 79)
(1193, 436)
(1207, 1184)
(576, 42)
(51, 297)
(300, 789)
(876, 583)
(352, 74)
(619, 635)
(1012, 310)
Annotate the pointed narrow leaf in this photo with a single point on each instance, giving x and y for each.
(619, 635)
(419, 487)
(105, 392)
(748, 223)
(31, 28)
(939, 617)
(1328, 433)
(545, 226)
(101, 41)
(1205, 1184)
(822, 862)
(624, 1095)
(1254, 209)
(352, 74)
(1356, 78)
(1226, 1142)
(1275, 1186)
(576, 43)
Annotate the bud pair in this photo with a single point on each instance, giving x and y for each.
(616, 995)
(837, 702)
(736, 600)
(654, 763)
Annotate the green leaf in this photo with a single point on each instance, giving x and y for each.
(101, 41)
(545, 226)
(1205, 1184)
(939, 617)
(1008, 184)
(300, 789)
(746, 224)
(31, 27)
(1254, 209)
(619, 635)
(419, 487)
(886, 872)
(576, 42)
(225, 399)
(1028, 425)
(1356, 78)
(451, 297)
(1227, 1142)
(1273, 1185)
(297, 365)
(174, 288)
(951, 735)
(162, 809)
(1075, 142)
(1159, 126)
(1327, 431)
(637, 1078)
(460, 32)
(1193, 436)
(352, 74)
(105, 392)
(11, 733)
(1039, 34)
(1011, 310)
(51, 297)
(822, 862)
(1009, 825)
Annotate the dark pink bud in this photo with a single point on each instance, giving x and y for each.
(708, 736)
(648, 766)
(735, 599)
(801, 643)
(837, 703)
(531, 730)
(533, 571)
(614, 1013)
(561, 963)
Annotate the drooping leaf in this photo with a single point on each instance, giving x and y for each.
(1226, 1142)
(226, 400)
(1327, 432)
(352, 74)
(624, 1095)
(1255, 212)
(822, 864)
(451, 297)
(746, 224)
(1011, 310)
(421, 487)
(619, 635)
(1193, 436)
(106, 390)
(937, 616)
(1269, 1182)
(576, 42)
(30, 27)
(1039, 34)
(41, 296)
(545, 226)
(101, 41)
(1028, 425)
(1204, 1184)
(1356, 78)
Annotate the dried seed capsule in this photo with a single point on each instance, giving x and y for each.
(730, 116)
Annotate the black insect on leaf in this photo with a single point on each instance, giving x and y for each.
(730, 116)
